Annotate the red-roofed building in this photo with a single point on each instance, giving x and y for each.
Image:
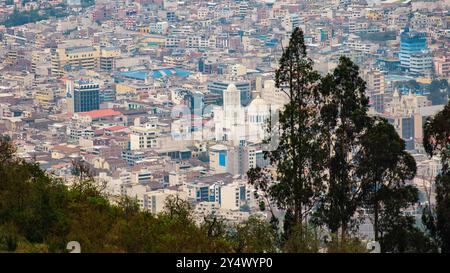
(99, 115)
(94, 114)
(116, 128)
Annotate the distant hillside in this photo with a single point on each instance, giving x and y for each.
(18, 18)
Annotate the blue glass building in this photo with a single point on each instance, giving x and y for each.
(218, 87)
(86, 96)
(411, 43)
(195, 102)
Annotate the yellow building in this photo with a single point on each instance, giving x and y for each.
(155, 40)
(375, 81)
(125, 88)
(39, 41)
(22, 78)
(424, 80)
(108, 57)
(374, 15)
(144, 29)
(45, 97)
(86, 57)
(11, 56)
(37, 57)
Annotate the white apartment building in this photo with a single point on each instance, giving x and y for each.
(155, 201)
(159, 27)
(144, 136)
(234, 195)
(360, 46)
(197, 41)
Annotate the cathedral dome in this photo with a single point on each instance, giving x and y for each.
(258, 111)
(258, 102)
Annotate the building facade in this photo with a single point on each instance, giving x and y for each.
(83, 96)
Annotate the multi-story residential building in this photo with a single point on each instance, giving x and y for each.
(171, 16)
(155, 28)
(202, 12)
(442, 65)
(143, 177)
(155, 201)
(175, 60)
(420, 63)
(107, 95)
(172, 41)
(197, 41)
(76, 133)
(108, 57)
(144, 136)
(234, 195)
(132, 156)
(357, 45)
(159, 27)
(37, 58)
(46, 96)
(375, 82)
(290, 21)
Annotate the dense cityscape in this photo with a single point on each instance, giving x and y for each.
(156, 99)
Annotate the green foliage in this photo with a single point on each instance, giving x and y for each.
(87, 3)
(6, 151)
(8, 237)
(255, 235)
(303, 239)
(298, 158)
(439, 91)
(245, 208)
(436, 141)
(406, 238)
(18, 18)
(172, 231)
(398, 231)
(333, 160)
(29, 199)
(39, 213)
(344, 115)
(384, 166)
(261, 180)
(335, 244)
(288, 224)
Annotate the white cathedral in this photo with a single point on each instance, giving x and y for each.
(240, 125)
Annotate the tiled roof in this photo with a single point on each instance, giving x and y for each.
(116, 128)
(100, 113)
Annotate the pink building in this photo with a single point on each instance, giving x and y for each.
(442, 65)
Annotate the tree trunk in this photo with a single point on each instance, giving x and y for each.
(375, 224)
(298, 217)
(343, 232)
